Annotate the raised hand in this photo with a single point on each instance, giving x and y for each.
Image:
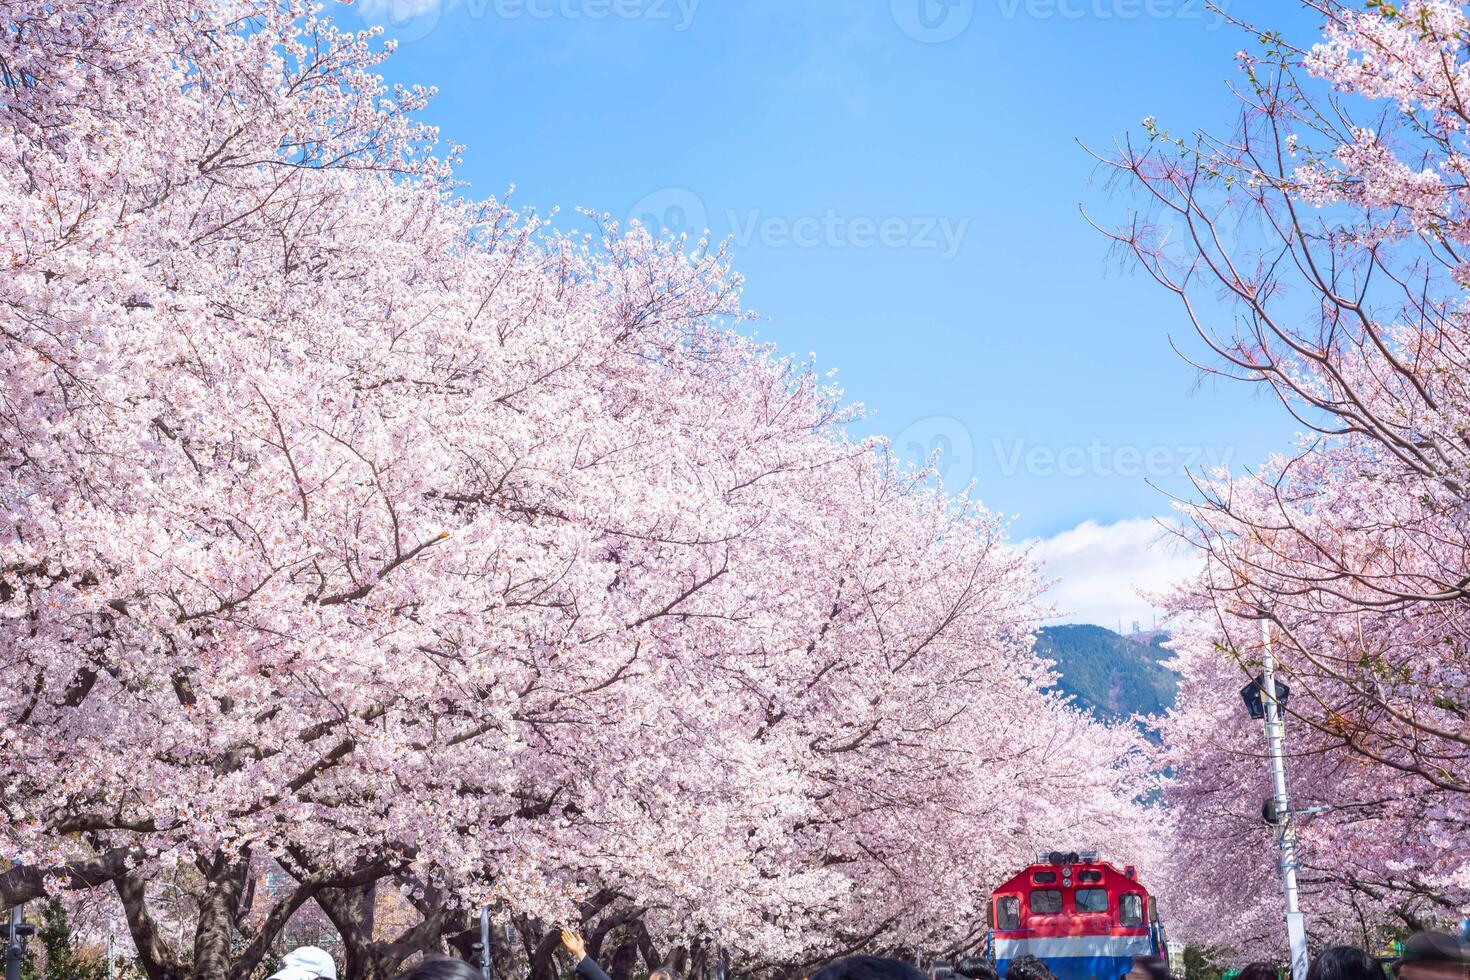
(573, 942)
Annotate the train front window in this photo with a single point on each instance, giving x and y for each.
(1091, 899)
(1044, 878)
(1089, 877)
(1130, 909)
(1008, 912)
(1046, 901)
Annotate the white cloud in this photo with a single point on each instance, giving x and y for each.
(1099, 569)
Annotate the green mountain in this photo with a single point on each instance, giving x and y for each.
(1113, 675)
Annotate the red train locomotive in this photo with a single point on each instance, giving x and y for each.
(1085, 918)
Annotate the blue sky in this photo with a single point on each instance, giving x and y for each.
(902, 180)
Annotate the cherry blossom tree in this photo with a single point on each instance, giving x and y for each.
(1332, 221)
(383, 537)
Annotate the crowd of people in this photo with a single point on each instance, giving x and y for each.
(1425, 956)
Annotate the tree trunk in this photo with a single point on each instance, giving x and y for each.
(507, 963)
(651, 959)
(225, 881)
(697, 967)
(158, 961)
(543, 956)
(624, 957)
(354, 913)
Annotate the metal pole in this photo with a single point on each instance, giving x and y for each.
(485, 943)
(1296, 929)
(14, 951)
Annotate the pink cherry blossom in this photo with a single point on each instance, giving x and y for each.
(1333, 222)
(360, 530)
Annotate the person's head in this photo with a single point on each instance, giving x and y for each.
(306, 963)
(440, 968)
(976, 968)
(868, 968)
(663, 973)
(1028, 967)
(1258, 971)
(1345, 963)
(1431, 956)
(1148, 968)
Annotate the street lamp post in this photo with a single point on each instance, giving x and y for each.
(15, 943)
(1296, 929)
(485, 948)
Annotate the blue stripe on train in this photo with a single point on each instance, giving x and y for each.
(1080, 967)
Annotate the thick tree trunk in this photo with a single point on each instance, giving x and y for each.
(541, 950)
(158, 961)
(225, 880)
(651, 959)
(697, 967)
(624, 958)
(440, 926)
(507, 963)
(354, 912)
(461, 933)
(676, 961)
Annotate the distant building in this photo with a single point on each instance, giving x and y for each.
(1176, 959)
